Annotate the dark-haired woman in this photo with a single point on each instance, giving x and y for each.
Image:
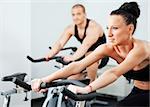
(131, 54)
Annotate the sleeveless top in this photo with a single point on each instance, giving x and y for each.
(101, 40)
(141, 75)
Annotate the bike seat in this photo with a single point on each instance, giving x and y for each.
(20, 76)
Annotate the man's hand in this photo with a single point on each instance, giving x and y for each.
(48, 56)
(68, 58)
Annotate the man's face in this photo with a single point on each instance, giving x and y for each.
(78, 15)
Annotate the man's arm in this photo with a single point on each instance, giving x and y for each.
(59, 44)
(92, 35)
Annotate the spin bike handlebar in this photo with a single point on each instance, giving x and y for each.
(64, 90)
(72, 48)
(61, 60)
(52, 84)
(41, 59)
(58, 58)
(79, 97)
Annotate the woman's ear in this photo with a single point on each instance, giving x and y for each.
(131, 28)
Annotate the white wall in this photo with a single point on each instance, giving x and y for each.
(14, 44)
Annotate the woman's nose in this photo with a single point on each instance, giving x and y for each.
(110, 33)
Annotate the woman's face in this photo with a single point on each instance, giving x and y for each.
(118, 32)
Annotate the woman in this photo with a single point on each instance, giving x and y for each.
(131, 54)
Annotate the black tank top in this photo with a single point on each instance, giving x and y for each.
(141, 75)
(101, 40)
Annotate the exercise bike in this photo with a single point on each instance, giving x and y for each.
(58, 59)
(15, 90)
(91, 98)
(21, 76)
(55, 90)
(55, 94)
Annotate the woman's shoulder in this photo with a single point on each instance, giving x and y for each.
(142, 45)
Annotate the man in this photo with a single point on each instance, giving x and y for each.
(88, 32)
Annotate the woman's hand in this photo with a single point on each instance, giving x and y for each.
(77, 89)
(35, 85)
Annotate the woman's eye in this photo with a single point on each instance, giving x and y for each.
(114, 28)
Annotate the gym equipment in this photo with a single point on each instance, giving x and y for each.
(90, 99)
(16, 90)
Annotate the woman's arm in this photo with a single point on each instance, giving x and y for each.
(73, 68)
(76, 67)
(134, 58)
